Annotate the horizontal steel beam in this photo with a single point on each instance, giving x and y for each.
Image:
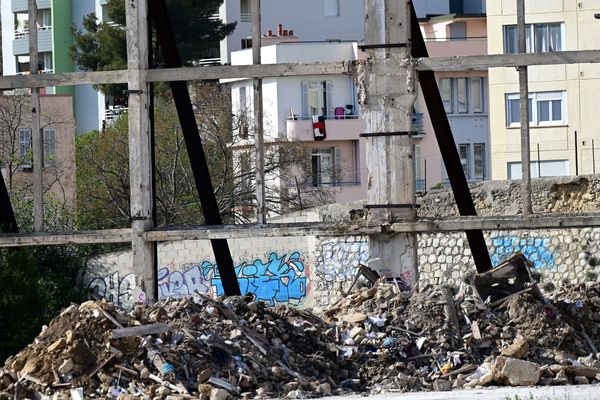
(482, 62)
(454, 224)
(456, 63)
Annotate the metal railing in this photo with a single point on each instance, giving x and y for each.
(327, 117)
(112, 113)
(245, 17)
(21, 33)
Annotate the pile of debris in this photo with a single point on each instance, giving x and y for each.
(375, 339)
(435, 340)
(177, 349)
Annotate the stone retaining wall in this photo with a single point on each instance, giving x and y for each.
(313, 271)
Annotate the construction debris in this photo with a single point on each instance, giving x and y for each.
(375, 339)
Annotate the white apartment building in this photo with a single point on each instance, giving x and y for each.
(55, 18)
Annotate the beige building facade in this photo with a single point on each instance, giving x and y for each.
(58, 127)
(563, 99)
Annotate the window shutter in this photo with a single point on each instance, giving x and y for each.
(329, 98)
(337, 165)
(305, 99)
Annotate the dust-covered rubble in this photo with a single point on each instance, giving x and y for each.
(375, 339)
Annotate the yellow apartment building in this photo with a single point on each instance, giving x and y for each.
(564, 99)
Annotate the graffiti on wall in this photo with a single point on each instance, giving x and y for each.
(536, 249)
(276, 279)
(119, 290)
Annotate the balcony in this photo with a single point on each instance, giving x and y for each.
(113, 112)
(21, 42)
(346, 127)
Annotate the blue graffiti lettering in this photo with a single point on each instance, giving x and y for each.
(536, 249)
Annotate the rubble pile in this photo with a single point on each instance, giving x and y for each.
(375, 339)
(186, 348)
(440, 341)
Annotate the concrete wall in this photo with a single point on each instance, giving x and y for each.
(312, 271)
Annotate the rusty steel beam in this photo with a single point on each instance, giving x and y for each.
(194, 147)
(447, 145)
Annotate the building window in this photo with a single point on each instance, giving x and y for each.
(462, 95)
(465, 157)
(539, 169)
(49, 149)
(472, 159)
(25, 147)
(539, 38)
(325, 166)
(419, 175)
(446, 92)
(317, 98)
(44, 64)
(332, 8)
(458, 31)
(245, 11)
(545, 108)
(476, 95)
(479, 161)
(49, 154)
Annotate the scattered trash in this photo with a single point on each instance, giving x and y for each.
(372, 340)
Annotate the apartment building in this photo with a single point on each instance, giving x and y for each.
(562, 100)
(55, 19)
(57, 125)
(337, 163)
(311, 20)
(465, 97)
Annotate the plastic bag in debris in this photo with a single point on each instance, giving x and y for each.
(481, 370)
(377, 321)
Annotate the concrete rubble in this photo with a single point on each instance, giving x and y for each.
(372, 340)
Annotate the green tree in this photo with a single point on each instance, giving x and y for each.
(103, 190)
(101, 46)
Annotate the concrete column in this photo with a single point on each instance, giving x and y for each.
(387, 93)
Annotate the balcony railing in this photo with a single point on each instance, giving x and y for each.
(42, 71)
(327, 117)
(245, 17)
(21, 33)
(114, 112)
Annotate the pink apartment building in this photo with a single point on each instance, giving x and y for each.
(338, 163)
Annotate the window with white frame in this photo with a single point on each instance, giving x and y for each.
(25, 147)
(472, 159)
(539, 38)
(464, 151)
(545, 109)
(479, 161)
(49, 147)
(317, 98)
(462, 95)
(245, 11)
(326, 163)
(332, 8)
